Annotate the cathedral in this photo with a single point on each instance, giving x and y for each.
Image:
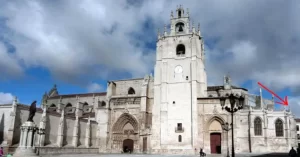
(172, 112)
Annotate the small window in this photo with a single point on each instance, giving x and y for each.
(279, 128)
(103, 103)
(179, 126)
(179, 138)
(180, 50)
(297, 127)
(187, 78)
(131, 91)
(173, 102)
(179, 13)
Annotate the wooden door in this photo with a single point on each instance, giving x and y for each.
(215, 143)
(128, 145)
(144, 144)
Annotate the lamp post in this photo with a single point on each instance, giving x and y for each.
(236, 103)
(226, 128)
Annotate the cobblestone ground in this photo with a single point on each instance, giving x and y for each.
(145, 155)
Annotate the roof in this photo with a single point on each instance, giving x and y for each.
(54, 113)
(214, 88)
(80, 95)
(132, 79)
(297, 119)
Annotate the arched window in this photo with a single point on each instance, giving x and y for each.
(179, 138)
(69, 107)
(131, 91)
(279, 128)
(179, 27)
(103, 103)
(180, 49)
(85, 107)
(257, 126)
(179, 13)
(52, 107)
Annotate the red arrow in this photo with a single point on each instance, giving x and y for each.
(283, 102)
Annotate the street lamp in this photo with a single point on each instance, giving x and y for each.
(226, 128)
(236, 103)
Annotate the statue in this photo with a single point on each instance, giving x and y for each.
(32, 111)
(226, 79)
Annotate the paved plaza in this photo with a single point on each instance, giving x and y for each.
(146, 155)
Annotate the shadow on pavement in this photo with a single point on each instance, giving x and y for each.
(272, 155)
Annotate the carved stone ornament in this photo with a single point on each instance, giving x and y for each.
(12, 114)
(44, 119)
(215, 111)
(126, 109)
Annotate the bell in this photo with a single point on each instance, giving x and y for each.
(180, 28)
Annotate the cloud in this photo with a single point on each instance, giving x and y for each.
(9, 66)
(250, 40)
(72, 39)
(6, 98)
(94, 87)
(294, 103)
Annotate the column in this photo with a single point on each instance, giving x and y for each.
(42, 127)
(88, 134)
(29, 142)
(21, 137)
(60, 131)
(24, 141)
(75, 133)
(11, 128)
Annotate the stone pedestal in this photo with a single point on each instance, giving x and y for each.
(27, 138)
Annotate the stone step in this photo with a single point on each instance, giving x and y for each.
(214, 155)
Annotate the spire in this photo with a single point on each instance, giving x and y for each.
(193, 28)
(187, 12)
(44, 111)
(165, 30)
(199, 33)
(158, 33)
(53, 91)
(172, 14)
(261, 98)
(15, 101)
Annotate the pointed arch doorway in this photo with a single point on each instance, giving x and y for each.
(125, 134)
(215, 135)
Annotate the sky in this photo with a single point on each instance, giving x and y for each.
(79, 46)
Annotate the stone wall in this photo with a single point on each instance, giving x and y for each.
(5, 111)
(122, 86)
(245, 140)
(53, 122)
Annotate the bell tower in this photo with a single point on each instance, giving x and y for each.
(180, 78)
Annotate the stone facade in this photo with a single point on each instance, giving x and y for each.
(174, 112)
(298, 130)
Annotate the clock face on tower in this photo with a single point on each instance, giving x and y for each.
(178, 69)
